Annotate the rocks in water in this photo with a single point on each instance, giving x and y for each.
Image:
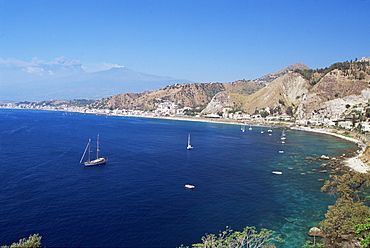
(323, 171)
(324, 157)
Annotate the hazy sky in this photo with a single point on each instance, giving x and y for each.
(199, 40)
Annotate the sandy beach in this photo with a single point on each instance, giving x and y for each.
(354, 163)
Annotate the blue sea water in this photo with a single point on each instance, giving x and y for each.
(138, 198)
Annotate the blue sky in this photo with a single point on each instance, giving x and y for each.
(199, 40)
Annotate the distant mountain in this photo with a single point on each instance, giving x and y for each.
(64, 80)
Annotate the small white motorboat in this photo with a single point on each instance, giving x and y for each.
(189, 186)
(277, 172)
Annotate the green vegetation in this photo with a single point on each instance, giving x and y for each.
(276, 110)
(212, 89)
(289, 111)
(193, 112)
(248, 238)
(33, 241)
(307, 74)
(264, 113)
(357, 69)
(367, 114)
(349, 212)
(75, 102)
(363, 232)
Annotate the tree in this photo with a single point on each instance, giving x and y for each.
(289, 111)
(33, 241)
(340, 220)
(363, 231)
(349, 209)
(354, 120)
(264, 113)
(248, 238)
(281, 102)
(348, 186)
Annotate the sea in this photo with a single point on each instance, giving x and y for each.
(138, 198)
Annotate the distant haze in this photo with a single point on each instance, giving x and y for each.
(64, 79)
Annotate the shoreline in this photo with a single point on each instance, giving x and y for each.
(355, 163)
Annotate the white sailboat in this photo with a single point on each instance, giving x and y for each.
(283, 136)
(97, 161)
(250, 127)
(189, 147)
(242, 128)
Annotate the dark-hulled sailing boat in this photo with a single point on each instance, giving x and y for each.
(97, 161)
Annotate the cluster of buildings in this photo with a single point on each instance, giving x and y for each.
(170, 109)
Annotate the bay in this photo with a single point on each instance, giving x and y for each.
(138, 198)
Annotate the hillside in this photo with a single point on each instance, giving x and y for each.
(336, 89)
(318, 93)
(186, 95)
(193, 95)
(303, 93)
(281, 93)
(238, 93)
(272, 76)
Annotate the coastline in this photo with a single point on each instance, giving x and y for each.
(354, 163)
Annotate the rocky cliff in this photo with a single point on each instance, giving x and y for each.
(308, 94)
(281, 93)
(246, 96)
(334, 91)
(219, 102)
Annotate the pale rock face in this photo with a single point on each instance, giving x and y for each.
(365, 94)
(295, 89)
(338, 106)
(220, 101)
(289, 88)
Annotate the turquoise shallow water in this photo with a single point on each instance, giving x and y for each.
(138, 199)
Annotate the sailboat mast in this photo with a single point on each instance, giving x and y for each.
(88, 158)
(97, 147)
(83, 155)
